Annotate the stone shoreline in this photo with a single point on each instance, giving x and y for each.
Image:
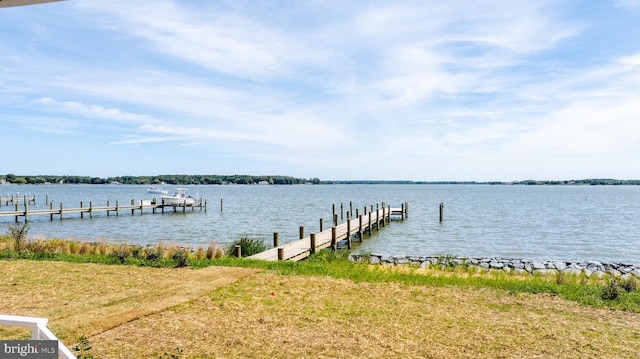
(522, 266)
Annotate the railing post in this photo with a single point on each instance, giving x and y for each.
(312, 244)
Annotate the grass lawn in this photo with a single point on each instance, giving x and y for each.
(224, 312)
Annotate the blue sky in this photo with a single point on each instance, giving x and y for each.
(425, 90)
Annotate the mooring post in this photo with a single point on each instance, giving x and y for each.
(441, 211)
(221, 203)
(46, 198)
(276, 237)
(81, 212)
(335, 219)
(133, 202)
(90, 209)
(51, 211)
(377, 219)
(351, 208)
(341, 211)
(301, 232)
(360, 228)
(238, 250)
(312, 243)
(334, 244)
(369, 223)
(280, 254)
(365, 210)
(321, 224)
(61, 210)
(333, 210)
(16, 212)
(26, 212)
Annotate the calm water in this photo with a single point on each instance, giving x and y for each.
(533, 222)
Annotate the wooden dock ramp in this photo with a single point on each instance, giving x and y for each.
(306, 246)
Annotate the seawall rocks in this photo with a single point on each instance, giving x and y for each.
(523, 266)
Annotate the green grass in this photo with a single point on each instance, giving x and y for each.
(604, 292)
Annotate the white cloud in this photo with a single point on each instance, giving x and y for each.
(628, 4)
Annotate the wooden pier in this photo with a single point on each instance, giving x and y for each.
(13, 198)
(109, 209)
(329, 238)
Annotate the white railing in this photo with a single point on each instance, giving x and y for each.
(39, 331)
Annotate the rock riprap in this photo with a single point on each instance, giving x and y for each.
(522, 266)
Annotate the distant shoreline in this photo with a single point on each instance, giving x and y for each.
(173, 180)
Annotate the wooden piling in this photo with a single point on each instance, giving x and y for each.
(276, 237)
(334, 244)
(441, 211)
(238, 251)
(301, 232)
(280, 254)
(312, 243)
(321, 224)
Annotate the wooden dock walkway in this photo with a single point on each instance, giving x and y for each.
(60, 212)
(306, 246)
(14, 198)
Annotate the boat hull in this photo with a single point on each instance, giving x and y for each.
(176, 201)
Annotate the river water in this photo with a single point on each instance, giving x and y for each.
(531, 222)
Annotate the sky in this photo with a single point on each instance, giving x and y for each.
(338, 90)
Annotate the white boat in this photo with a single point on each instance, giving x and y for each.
(179, 198)
(158, 190)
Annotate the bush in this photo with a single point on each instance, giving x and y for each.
(612, 290)
(180, 257)
(249, 246)
(18, 232)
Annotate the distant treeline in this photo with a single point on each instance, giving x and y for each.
(280, 180)
(594, 181)
(156, 180)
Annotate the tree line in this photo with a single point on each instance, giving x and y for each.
(160, 179)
